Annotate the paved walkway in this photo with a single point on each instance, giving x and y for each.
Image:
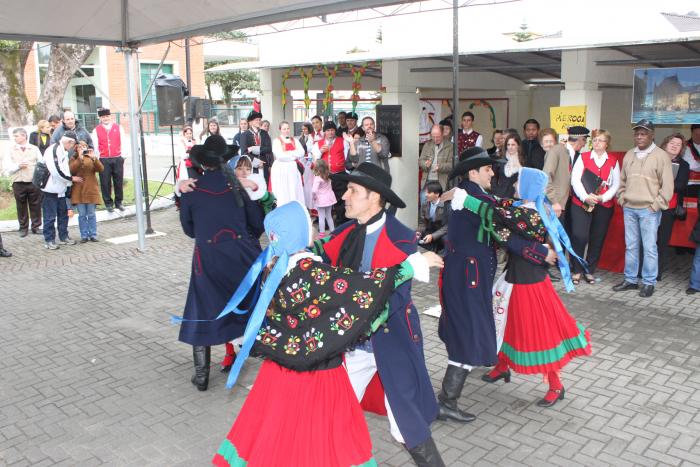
(92, 373)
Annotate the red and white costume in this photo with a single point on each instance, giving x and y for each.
(285, 179)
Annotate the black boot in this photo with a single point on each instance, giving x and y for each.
(452, 385)
(202, 360)
(427, 455)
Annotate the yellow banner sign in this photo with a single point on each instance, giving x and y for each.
(561, 118)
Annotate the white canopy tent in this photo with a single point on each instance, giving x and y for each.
(130, 24)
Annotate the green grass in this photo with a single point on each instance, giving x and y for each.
(10, 213)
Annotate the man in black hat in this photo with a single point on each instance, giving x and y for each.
(225, 225)
(342, 123)
(108, 137)
(351, 121)
(646, 187)
(374, 238)
(466, 324)
(257, 145)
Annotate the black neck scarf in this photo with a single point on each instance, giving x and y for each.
(350, 255)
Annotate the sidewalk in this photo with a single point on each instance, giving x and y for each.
(93, 374)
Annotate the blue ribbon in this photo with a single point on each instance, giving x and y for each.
(258, 314)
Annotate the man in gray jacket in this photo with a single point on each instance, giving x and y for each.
(71, 124)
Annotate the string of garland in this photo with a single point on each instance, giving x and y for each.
(330, 74)
(485, 103)
(357, 73)
(285, 77)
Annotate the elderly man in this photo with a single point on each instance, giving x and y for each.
(373, 147)
(374, 239)
(646, 187)
(110, 147)
(557, 165)
(71, 124)
(19, 163)
(257, 145)
(436, 157)
(54, 205)
(692, 157)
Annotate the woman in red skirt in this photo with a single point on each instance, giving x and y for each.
(540, 335)
(302, 410)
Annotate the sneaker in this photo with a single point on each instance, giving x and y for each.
(67, 241)
(51, 246)
(94, 239)
(83, 240)
(110, 209)
(120, 207)
(4, 253)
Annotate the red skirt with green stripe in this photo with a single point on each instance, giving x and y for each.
(540, 335)
(293, 418)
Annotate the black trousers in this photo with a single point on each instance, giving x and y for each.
(113, 172)
(588, 228)
(28, 200)
(339, 188)
(663, 237)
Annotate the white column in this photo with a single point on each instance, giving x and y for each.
(404, 169)
(271, 101)
(581, 77)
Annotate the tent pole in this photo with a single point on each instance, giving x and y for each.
(135, 162)
(455, 77)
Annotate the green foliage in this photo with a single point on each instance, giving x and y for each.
(9, 46)
(5, 184)
(232, 81)
(230, 35)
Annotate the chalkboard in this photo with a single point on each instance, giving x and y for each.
(389, 124)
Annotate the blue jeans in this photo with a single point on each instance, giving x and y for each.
(55, 211)
(695, 271)
(87, 221)
(641, 225)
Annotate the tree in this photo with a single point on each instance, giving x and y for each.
(64, 61)
(231, 82)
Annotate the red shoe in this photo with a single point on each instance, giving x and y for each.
(552, 397)
(228, 360)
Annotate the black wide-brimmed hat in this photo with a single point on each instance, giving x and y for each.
(213, 152)
(373, 178)
(253, 115)
(472, 158)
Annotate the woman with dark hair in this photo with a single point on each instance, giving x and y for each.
(213, 128)
(592, 207)
(673, 145)
(506, 175)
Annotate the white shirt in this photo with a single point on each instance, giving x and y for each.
(642, 153)
(613, 181)
(512, 166)
(316, 149)
(479, 140)
(688, 157)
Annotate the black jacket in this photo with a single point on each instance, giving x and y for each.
(534, 154)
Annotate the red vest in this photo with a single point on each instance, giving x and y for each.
(694, 176)
(110, 143)
(466, 141)
(335, 156)
(603, 172)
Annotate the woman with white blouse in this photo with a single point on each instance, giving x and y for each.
(285, 179)
(592, 210)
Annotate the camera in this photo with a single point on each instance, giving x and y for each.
(85, 152)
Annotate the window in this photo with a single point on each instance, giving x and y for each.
(148, 72)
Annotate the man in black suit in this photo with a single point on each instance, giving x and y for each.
(532, 151)
(257, 145)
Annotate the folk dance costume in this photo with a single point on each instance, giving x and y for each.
(388, 374)
(108, 147)
(468, 139)
(540, 335)
(226, 226)
(256, 144)
(285, 179)
(466, 324)
(302, 400)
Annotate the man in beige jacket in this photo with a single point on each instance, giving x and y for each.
(646, 187)
(436, 158)
(557, 165)
(19, 163)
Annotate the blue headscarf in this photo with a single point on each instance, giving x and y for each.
(531, 185)
(289, 230)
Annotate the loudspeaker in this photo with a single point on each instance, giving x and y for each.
(170, 94)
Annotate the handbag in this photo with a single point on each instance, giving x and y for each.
(41, 175)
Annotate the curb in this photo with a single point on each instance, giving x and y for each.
(102, 216)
